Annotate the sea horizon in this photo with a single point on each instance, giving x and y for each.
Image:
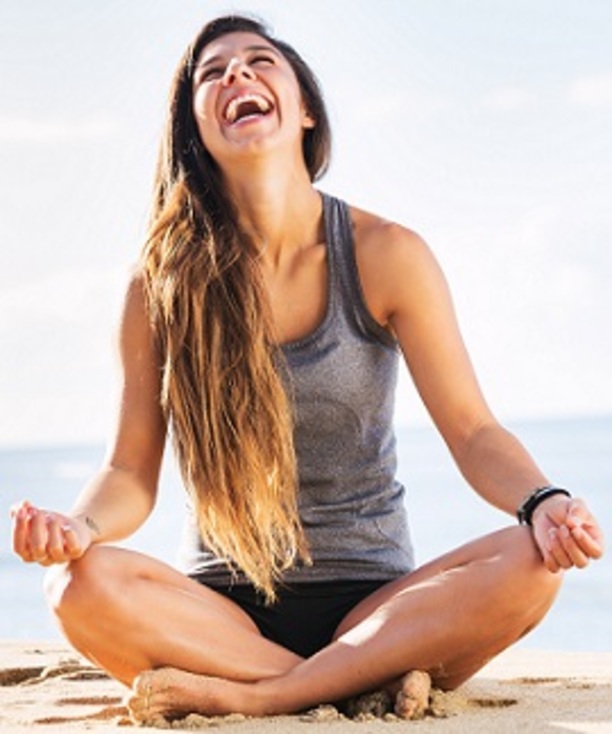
(443, 512)
(423, 424)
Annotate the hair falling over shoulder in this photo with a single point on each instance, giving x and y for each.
(222, 378)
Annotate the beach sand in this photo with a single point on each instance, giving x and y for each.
(47, 687)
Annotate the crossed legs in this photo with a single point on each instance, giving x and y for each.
(202, 653)
(127, 612)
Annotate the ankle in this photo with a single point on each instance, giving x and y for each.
(265, 699)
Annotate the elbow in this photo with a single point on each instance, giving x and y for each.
(465, 433)
(136, 487)
(467, 440)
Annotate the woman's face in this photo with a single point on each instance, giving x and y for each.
(246, 98)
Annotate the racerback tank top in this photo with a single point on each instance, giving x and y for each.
(342, 383)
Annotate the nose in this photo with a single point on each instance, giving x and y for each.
(236, 70)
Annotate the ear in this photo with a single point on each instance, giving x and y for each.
(308, 121)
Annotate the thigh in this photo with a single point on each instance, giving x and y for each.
(109, 566)
(510, 547)
(128, 612)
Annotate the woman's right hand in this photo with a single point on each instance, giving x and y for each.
(44, 537)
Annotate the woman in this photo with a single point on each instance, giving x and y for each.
(264, 325)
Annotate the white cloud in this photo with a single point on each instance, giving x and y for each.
(30, 130)
(593, 91)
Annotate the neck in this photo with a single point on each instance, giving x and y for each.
(277, 207)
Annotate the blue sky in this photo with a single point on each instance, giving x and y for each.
(483, 124)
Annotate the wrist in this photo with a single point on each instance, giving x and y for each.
(90, 524)
(528, 507)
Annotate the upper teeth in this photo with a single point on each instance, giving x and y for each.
(231, 111)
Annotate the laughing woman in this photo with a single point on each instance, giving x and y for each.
(264, 326)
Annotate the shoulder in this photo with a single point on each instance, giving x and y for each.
(394, 262)
(388, 248)
(135, 327)
(135, 298)
(371, 230)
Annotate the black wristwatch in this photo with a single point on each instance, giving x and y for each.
(529, 504)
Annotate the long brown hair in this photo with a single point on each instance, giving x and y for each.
(224, 389)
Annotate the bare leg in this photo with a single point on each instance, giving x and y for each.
(447, 618)
(128, 612)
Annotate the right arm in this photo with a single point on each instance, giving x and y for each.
(122, 495)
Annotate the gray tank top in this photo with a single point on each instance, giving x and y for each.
(343, 377)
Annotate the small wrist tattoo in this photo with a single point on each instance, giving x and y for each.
(92, 524)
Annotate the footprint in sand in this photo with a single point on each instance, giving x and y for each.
(71, 670)
(539, 680)
(492, 703)
(106, 714)
(17, 676)
(89, 701)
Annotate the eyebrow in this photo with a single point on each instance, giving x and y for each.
(219, 57)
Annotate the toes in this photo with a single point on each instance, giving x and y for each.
(143, 683)
(138, 700)
(412, 699)
(136, 707)
(407, 707)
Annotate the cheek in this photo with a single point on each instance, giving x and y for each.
(200, 104)
(300, 112)
(203, 113)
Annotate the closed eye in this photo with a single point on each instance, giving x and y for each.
(262, 58)
(214, 68)
(206, 75)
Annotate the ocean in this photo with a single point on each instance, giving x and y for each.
(444, 512)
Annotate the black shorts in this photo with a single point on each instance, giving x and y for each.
(305, 616)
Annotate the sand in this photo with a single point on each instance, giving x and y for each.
(47, 687)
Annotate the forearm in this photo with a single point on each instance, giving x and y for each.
(114, 504)
(498, 467)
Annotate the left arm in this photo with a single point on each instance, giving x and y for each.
(408, 293)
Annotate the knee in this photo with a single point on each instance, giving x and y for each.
(533, 586)
(79, 586)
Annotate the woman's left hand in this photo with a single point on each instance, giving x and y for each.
(566, 533)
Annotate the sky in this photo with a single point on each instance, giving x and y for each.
(483, 125)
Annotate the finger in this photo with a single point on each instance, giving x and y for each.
(551, 564)
(21, 524)
(572, 548)
(589, 539)
(556, 550)
(548, 559)
(55, 540)
(27, 515)
(72, 543)
(38, 535)
(19, 507)
(541, 540)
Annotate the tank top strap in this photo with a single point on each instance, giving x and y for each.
(344, 275)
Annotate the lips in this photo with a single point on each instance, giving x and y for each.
(246, 105)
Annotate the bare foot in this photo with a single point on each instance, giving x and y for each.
(171, 693)
(412, 699)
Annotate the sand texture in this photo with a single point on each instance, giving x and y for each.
(46, 687)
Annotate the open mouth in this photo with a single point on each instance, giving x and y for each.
(246, 106)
